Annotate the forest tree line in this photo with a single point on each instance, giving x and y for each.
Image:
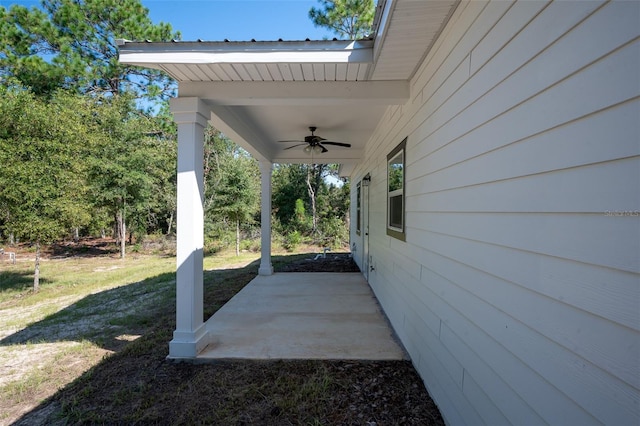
(77, 166)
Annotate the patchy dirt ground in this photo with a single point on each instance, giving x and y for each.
(251, 393)
(135, 384)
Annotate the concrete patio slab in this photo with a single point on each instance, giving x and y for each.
(311, 315)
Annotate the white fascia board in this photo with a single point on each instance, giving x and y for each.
(299, 92)
(384, 11)
(149, 54)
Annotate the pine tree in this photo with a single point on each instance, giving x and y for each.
(350, 19)
(72, 45)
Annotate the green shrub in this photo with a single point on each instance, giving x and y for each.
(292, 240)
(334, 232)
(252, 245)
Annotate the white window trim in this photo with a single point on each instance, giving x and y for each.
(394, 231)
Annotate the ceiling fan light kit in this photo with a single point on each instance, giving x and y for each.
(312, 149)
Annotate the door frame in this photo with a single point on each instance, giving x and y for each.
(365, 225)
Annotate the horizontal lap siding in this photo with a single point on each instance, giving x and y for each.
(517, 291)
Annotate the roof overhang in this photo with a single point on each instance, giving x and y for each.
(260, 93)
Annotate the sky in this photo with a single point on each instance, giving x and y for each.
(236, 20)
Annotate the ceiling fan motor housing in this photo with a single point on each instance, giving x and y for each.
(313, 139)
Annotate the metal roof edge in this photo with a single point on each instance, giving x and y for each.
(362, 43)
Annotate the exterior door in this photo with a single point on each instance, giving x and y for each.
(365, 231)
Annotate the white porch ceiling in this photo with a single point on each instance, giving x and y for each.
(260, 93)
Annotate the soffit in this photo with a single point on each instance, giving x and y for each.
(254, 61)
(405, 33)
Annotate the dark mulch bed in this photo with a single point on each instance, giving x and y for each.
(139, 386)
(332, 262)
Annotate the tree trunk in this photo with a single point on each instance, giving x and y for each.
(12, 239)
(122, 232)
(36, 272)
(312, 198)
(123, 241)
(237, 237)
(76, 235)
(116, 227)
(170, 223)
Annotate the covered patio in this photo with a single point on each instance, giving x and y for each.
(302, 315)
(264, 96)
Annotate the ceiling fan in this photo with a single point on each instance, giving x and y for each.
(315, 144)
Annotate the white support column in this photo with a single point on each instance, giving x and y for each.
(190, 336)
(265, 219)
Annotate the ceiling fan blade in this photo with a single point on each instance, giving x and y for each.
(293, 146)
(346, 145)
(323, 148)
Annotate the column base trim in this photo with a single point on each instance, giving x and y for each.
(265, 270)
(188, 344)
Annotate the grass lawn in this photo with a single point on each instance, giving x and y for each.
(90, 347)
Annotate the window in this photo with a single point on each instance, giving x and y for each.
(358, 208)
(395, 191)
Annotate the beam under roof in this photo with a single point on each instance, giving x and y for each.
(298, 92)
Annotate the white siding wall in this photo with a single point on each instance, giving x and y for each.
(516, 294)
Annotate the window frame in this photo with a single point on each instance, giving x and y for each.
(395, 231)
